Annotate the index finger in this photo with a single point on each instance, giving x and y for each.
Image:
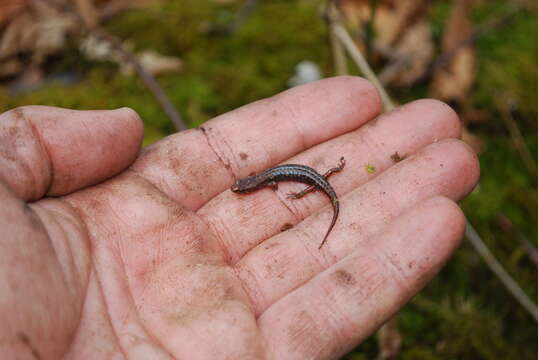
(193, 166)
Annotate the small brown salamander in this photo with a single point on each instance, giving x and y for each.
(293, 172)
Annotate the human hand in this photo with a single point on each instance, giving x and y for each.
(107, 253)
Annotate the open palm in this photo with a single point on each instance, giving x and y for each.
(110, 253)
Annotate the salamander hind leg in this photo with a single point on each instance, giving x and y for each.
(300, 194)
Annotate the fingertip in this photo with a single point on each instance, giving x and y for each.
(467, 163)
(448, 215)
(359, 92)
(440, 112)
(126, 120)
(131, 119)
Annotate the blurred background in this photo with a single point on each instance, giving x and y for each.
(179, 63)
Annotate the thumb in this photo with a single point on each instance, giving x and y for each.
(53, 151)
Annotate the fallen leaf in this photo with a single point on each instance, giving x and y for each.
(155, 63)
(391, 19)
(38, 29)
(402, 36)
(417, 50)
(37, 32)
(11, 9)
(453, 81)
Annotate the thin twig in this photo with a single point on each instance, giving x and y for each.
(506, 108)
(148, 79)
(506, 225)
(495, 266)
(362, 64)
(338, 54)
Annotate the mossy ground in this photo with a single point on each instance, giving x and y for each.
(465, 312)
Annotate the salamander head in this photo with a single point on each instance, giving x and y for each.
(247, 184)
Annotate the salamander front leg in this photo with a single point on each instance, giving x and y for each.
(300, 194)
(273, 185)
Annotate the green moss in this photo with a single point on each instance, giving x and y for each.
(508, 68)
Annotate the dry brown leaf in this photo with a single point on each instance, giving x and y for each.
(392, 17)
(18, 36)
(154, 63)
(402, 35)
(10, 67)
(10, 9)
(38, 31)
(417, 50)
(41, 28)
(87, 11)
(453, 81)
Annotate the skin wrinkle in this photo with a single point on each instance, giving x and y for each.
(250, 294)
(106, 311)
(155, 193)
(227, 256)
(215, 146)
(70, 268)
(395, 269)
(53, 244)
(44, 232)
(132, 301)
(222, 232)
(10, 152)
(45, 154)
(319, 256)
(300, 135)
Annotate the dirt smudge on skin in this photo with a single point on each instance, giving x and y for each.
(286, 227)
(344, 278)
(305, 323)
(272, 245)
